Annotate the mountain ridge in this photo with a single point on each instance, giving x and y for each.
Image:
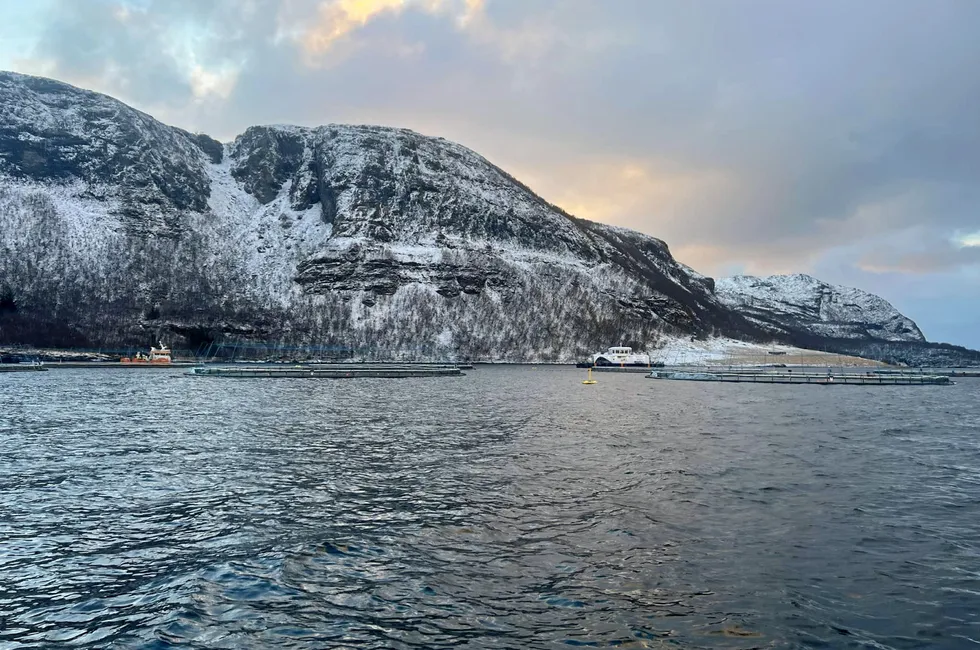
(801, 301)
(117, 229)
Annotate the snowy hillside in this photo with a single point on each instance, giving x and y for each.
(118, 230)
(800, 303)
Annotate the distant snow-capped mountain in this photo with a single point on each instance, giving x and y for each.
(801, 303)
(116, 229)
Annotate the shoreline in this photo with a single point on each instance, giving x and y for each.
(672, 352)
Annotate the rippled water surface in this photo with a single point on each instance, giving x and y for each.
(511, 508)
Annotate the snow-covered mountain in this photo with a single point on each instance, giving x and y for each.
(116, 230)
(787, 304)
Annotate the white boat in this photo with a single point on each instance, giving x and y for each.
(620, 356)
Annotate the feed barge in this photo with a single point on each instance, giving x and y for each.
(327, 372)
(854, 379)
(620, 359)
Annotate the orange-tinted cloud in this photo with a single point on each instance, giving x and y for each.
(337, 18)
(635, 193)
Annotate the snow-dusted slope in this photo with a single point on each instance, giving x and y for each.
(801, 303)
(57, 134)
(116, 229)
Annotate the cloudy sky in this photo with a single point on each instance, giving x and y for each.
(834, 137)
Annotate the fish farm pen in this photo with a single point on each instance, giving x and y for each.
(329, 371)
(17, 367)
(628, 369)
(817, 379)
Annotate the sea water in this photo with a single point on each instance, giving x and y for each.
(510, 508)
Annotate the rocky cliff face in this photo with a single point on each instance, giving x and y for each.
(116, 230)
(57, 134)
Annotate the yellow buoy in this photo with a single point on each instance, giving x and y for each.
(590, 380)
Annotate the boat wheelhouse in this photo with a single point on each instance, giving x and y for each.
(157, 355)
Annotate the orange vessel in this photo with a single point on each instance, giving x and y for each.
(156, 356)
